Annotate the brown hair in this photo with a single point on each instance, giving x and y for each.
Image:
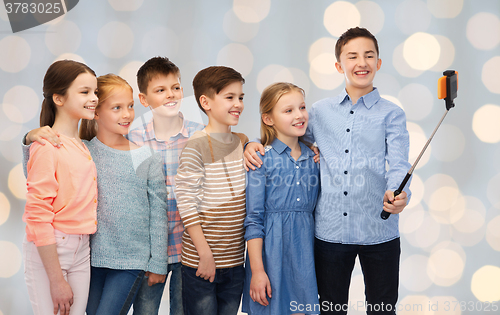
(152, 68)
(106, 86)
(269, 98)
(210, 81)
(57, 80)
(350, 34)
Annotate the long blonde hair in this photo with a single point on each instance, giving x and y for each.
(106, 85)
(269, 98)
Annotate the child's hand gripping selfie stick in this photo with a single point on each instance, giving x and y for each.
(447, 90)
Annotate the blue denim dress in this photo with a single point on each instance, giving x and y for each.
(281, 196)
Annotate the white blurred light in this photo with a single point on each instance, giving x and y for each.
(324, 63)
(236, 56)
(15, 54)
(435, 182)
(129, 74)
(412, 16)
(251, 11)
(410, 221)
(372, 16)
(10, 260)
(321, 46)
(493, 233)
(417, 142)
(473, 217)
(403, 68)
(421, 51)
(17, 182)
(486, 123)
(4, 208)
(392, 99)
(238, 30)
(490, 76)
(483, 30)
(492, 191)
(484, 284)
(340, 16)
(115, 39)
(21, 104)
(446, 205)
(425, 237)
(417, 101)
(326, 81)
(445, 267)
(63, 37)
(447, 55)
(126, 5)
(417, 191)
(445, 9)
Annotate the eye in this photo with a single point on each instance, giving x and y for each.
(241, 98)
(85, 92)
(131, 106)
(229, 97)
(160, 90)
(288, 110)
(177, 88)
(303, 107)
(116, 107)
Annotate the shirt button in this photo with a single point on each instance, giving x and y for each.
(298, 183)
(348, 130)
(351, 112)
(345, 214)
(345, 193)
(345, 172)
(297, 166)
(346, 151)
(298, 199)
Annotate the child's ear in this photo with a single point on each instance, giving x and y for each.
(204, 103)
(267, 119)
(379, 63)
(339, 67)
(142, 99)
(58, 99)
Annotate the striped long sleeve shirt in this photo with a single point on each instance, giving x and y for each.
(210, 190)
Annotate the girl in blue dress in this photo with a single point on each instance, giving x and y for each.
(281, 196)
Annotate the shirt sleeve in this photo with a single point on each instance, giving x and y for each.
(26, 155)
(308, 136)
(158, 223)
(189, 184)
(42, 189)
(255, 203)
(398, 147)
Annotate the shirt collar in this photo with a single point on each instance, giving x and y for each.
(368, 100)
(149, 131)
(280, 147)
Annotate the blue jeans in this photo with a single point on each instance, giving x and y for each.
(148, 298)
(112, 291)
(380, 266)
(221, 297)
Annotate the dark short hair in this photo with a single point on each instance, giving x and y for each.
(210, 81)
(154, 67)
(350, 34)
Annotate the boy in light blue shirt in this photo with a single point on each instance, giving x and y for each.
(357, 132)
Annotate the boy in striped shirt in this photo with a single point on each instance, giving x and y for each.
(210, 190)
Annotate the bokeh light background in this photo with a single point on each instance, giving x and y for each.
(450, 230)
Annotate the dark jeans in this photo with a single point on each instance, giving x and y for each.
(112, 291)
(221, 297)
(148, 298)
(380, 266)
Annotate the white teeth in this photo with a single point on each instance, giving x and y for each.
(299, 124)
(170, 104)
(89, 107)
(235, 113)
(362, 72)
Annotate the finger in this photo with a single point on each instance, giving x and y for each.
(256, 159)
(71, 302)
(261, 150)
(56, 308)
(212, 278)
(269, 291)
(150, 282)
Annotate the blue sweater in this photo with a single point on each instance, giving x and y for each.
(131, 210)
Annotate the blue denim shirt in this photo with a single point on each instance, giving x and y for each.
(281, 184)
(356, 142)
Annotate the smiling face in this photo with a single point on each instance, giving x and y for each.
(289, 117)
(115, 115)
(164, 95)
(80, 99)
(225, 108)
(358, 63)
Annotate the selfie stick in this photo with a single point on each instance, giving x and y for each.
(447, 90)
